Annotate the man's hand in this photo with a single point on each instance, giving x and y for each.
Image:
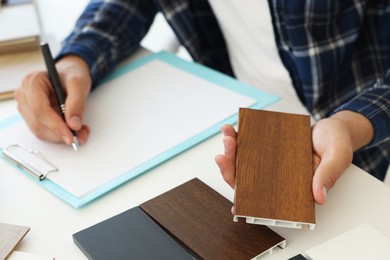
(38, 105)
(334, 141)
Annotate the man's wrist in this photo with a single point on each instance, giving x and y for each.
(74, 59)
(359, 127)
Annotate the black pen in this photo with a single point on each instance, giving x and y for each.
(56, 83)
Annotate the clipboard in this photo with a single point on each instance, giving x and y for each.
(261, 99)
(29, 160)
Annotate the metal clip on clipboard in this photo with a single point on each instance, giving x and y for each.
(30, 160)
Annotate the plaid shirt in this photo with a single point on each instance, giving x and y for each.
(337, 52)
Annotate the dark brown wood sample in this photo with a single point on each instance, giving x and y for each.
(274, 169)
(200, 218)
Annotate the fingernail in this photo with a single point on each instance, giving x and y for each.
(66, 140)
(324, 191)
(75, 121)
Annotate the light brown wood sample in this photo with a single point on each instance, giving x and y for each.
(10, 236)
(200, 218)
(274, 169)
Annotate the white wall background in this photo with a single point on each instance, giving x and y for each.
(160, 36)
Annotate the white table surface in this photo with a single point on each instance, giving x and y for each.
(356, 198)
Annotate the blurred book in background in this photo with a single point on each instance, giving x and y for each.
(20, 34)
(20, 30)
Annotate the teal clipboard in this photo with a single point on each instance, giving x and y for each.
(262, 98)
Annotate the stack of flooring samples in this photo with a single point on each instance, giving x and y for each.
(191, 221)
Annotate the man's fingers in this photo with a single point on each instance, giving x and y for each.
(52, 127)
(335, 160)
(227, 169)
(226, 162)
(34, 103)
(75, 103)
(230, 146)
(229, 130)
(83, 134)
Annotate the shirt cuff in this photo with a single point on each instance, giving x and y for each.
(89, 48)
(373, 103)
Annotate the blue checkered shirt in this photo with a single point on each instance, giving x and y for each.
(337, 52)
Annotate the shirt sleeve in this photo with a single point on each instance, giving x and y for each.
(374, 103)
(107, 32)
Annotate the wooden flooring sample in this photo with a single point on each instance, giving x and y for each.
(201, 219)
(10, 236)
(274, 169)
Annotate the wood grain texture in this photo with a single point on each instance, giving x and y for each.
(201, 219)
(274, 169)
(10, 236)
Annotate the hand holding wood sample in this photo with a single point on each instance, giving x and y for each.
(274, 169)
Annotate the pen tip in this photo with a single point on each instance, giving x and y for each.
(75, 144)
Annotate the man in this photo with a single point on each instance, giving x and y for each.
(336, 52)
